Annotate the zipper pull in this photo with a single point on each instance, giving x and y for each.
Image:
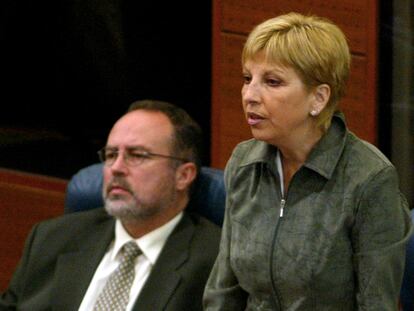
(282, 206)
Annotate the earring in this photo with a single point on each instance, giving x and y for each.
(314, 113)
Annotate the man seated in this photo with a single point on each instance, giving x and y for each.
(85, 261)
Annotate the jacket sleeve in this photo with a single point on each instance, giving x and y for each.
(407, 287)
(223, 291)
(379, 236)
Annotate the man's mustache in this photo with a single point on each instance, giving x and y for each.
(118, 182)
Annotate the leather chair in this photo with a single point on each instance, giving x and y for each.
(84, 191)
(407, 288)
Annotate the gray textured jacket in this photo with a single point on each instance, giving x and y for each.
(339, 245)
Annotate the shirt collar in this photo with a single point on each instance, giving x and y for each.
(150, 244)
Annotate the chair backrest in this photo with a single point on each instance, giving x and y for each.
(84, 192)
(407, 288)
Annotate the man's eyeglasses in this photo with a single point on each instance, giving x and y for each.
(132, 156)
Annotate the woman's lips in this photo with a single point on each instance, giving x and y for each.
(253, 118)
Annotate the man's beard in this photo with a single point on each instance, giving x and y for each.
(130, 208)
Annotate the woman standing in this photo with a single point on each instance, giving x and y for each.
(314, 216)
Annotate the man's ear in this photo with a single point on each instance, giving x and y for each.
(185, 175)
(322, 94)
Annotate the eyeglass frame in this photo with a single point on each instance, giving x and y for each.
(143, 155)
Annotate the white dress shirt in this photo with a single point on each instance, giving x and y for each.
(280, 172)
(150, 244)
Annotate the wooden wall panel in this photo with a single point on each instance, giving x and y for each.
(25, 199)
(358, 105)
(233, 127)
(234, 19)
(240, 16)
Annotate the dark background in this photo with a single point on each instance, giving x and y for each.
(70, 68)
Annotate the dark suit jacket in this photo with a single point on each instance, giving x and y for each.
(61, 256)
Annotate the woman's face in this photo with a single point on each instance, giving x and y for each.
(276, 102)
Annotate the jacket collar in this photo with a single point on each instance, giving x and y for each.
(165, 275)
(75, 268)
(322, 159)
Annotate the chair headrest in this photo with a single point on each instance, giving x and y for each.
(84, 192)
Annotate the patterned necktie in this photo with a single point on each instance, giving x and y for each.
(115, 294)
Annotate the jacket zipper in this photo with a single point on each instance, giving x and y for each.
(276, 299)
(282, 207)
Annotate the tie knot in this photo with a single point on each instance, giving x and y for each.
(131, 250)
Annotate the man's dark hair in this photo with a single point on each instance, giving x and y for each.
(187, 140)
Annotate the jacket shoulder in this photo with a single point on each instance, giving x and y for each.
(365, 157)
(205, 232)
(69, 226)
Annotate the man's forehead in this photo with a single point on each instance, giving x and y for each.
(144, 120)
(146, 115)
(140, 128)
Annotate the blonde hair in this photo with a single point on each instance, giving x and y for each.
(313, 46)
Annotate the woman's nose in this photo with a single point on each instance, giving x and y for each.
(250, 92)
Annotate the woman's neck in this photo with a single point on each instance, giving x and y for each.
(295, 154)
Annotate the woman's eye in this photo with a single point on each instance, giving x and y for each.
(273, 82)
(246, 79)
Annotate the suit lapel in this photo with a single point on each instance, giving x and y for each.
(74, 270)
(165, 275)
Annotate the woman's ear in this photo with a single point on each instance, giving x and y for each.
(185, 175)
(322, 94)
